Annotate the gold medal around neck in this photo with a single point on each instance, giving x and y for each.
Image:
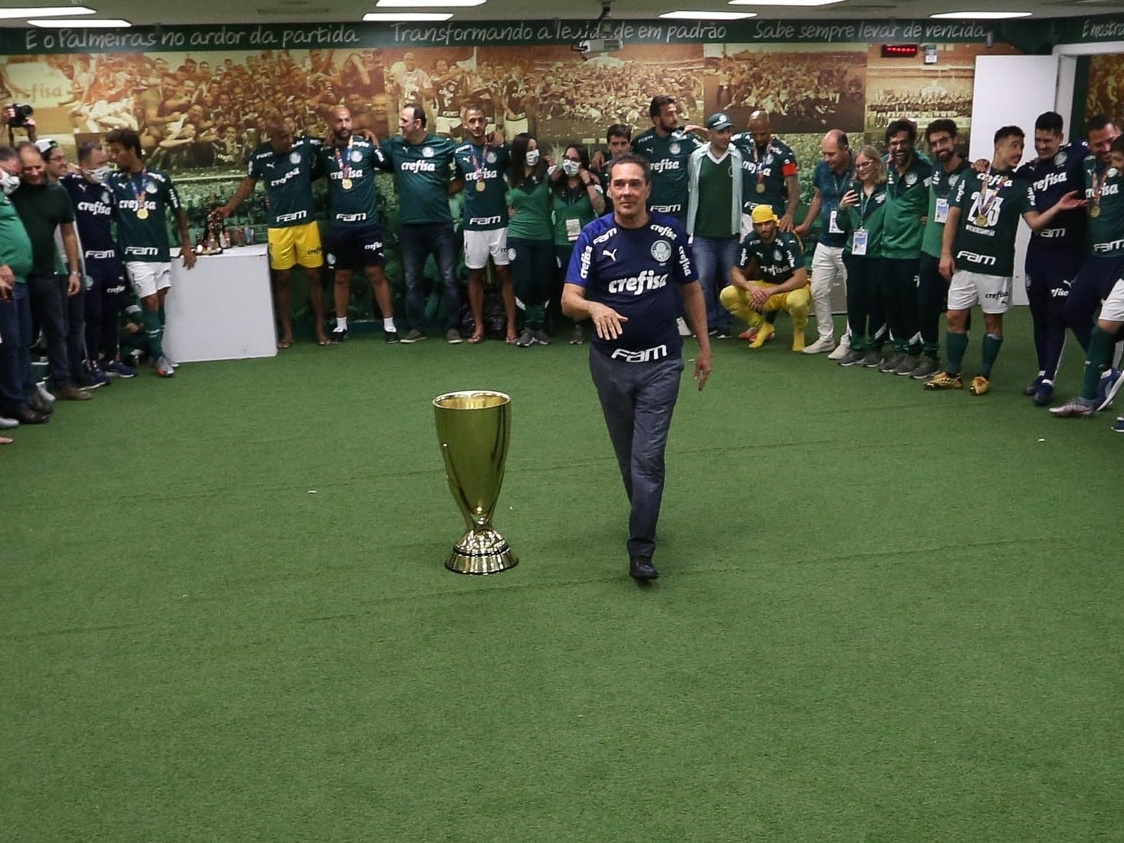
(142, 213)
(981, 221)
(346, 184)
(760, 187)
(1095, 211)
(481, 187)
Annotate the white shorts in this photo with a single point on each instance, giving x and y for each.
(478, 245)
(993, 292)
(148, 277)
(1113, 308)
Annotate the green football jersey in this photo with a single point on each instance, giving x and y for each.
(1106, 208)
(287, 177)
(484, 209)
(764, 172)
(942, 193)
(989, 221)
(353, 192)
(777, 260)
(140, 204)
(668, 159)
(531, 202)
(907, 196)
(421, 176)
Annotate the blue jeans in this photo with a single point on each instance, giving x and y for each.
(417, 241)
(714, 258)
(16, 380)
(637, 400)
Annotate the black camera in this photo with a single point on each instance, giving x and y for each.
(18, 114)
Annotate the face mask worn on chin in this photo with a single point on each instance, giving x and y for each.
(9, 183)
(532, 157)
(99, 174)
(570, 167)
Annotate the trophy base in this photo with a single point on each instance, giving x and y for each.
(481, 552)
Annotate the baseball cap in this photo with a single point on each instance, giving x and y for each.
(45, 145)
(763, 213)
(719, 121)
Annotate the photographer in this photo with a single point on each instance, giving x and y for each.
(18, 116)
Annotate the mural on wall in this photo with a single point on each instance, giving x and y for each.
(1105, 94)
(203, 98)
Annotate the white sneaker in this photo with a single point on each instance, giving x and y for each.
(8, 424)
(684, 331)
(820, 346)
(843, 349)
(44, 394)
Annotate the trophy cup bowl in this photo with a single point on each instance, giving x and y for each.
(473, 430)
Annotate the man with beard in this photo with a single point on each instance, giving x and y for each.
(422, 164)
(288, 167)
(355, 235)
(667, 148)
(1055, 254)
(932, 289)
(769, 171)
(978, 254)
(480, 167)
(907, 198)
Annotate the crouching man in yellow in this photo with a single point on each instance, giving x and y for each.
(774, 259)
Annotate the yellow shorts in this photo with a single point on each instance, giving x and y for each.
(295, 244)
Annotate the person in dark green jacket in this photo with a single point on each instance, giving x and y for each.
(578, 201)
(530, 236)
(864, 209)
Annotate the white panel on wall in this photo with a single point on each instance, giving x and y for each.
(1012, 90)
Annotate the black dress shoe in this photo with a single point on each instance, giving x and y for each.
(26, 415)
(642, 569)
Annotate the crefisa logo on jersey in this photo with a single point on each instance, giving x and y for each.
(661, 250)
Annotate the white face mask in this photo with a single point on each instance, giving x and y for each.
(570, 167)
(532, 157)
(8, 182)
(99, 174)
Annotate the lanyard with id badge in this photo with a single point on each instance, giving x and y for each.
(859, 241)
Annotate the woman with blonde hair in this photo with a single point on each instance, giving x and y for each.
(861, 212)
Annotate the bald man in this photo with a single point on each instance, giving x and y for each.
(832, 178)
(769, 172)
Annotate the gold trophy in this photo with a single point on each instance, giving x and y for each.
(473, 429)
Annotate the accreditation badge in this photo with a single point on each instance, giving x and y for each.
(858, 245)
(940, 214)
(833, 222)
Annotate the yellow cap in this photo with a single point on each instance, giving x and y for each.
(764, 213)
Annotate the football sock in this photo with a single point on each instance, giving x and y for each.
(154, 331)
(341, 323)
(956, 344)
(388, 326)
(991, 343)
(1096, 361)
